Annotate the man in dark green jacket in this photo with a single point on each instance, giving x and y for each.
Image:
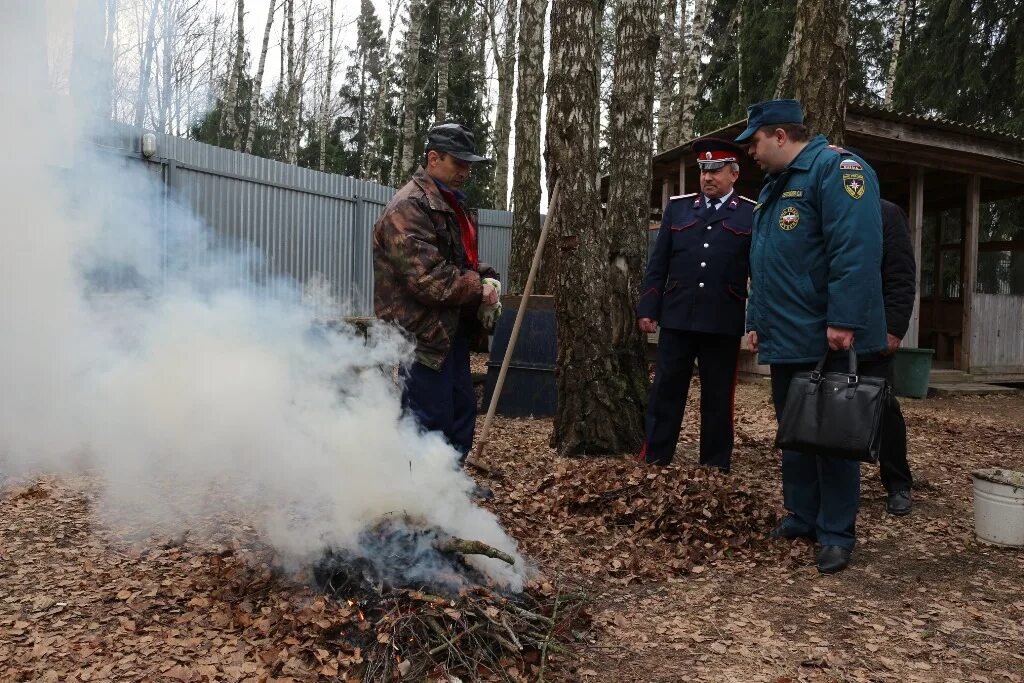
(816, 287)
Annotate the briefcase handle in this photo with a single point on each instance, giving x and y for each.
(852, 378)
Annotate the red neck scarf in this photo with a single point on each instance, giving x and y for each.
(466, 227)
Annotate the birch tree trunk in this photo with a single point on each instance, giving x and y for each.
(667, 76)
(106, 111)
(444, 55)
(587, 420)
(691, 71)
(326, 113)
(897, 38)
(299, 90)
(146, 66)
(784, 86)
(229, 107)
(257, 85)
(629, 208)
(370, 164)
(526, 189)
(821, 65)
(503, 121)
(412, 93)
(167, 80)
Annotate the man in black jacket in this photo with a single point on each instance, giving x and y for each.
(899, 275)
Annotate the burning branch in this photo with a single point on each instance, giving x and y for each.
(464, 546)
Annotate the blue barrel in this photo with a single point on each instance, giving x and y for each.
(529, 388)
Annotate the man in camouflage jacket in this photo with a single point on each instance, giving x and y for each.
(429, 281)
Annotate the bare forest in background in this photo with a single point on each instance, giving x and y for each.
(557, 91)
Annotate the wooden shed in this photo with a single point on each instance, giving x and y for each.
(949, 178)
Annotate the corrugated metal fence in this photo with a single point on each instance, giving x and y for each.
(310, 226)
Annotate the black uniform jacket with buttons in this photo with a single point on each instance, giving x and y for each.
(697, 274)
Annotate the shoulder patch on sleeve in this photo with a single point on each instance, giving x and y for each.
(748, 199)
(850, 164)
(682, 196)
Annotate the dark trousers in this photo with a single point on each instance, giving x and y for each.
(443, 400)
(717, 356)
(892, 461)
(821, 492)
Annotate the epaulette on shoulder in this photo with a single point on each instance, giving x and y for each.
(748, 199)
(683, 196)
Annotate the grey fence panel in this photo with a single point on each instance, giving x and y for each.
(495, 239)
(285, 227)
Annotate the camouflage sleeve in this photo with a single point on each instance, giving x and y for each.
(408, 241)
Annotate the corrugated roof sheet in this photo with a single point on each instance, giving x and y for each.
(886, 114)
(934, 121)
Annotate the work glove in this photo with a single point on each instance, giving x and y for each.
(488, 314)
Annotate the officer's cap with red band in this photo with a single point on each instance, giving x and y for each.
(714, 153)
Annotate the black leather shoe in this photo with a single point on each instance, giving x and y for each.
(786, 529)
(899, 503)
(833, 558)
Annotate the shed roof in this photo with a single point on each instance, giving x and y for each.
(893, 143)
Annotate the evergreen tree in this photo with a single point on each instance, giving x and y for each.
(359, 91)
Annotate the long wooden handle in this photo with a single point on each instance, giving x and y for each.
(527, 291)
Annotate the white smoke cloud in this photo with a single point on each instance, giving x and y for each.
(188, 391)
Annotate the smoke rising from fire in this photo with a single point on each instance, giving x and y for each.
(190, 392)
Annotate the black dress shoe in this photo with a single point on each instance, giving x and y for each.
(786, 529)
(833, 558)
(899, 503)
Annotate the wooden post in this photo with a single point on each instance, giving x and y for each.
(972, 211)
(666, 192)
(915, 218)
(682, 175)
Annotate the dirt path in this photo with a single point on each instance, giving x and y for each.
(923, 601)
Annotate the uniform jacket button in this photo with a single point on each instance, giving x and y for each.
(703, 264)
(705, 245)
(700, 284)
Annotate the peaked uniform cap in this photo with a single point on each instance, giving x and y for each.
(769, 112)
(454, 139)
(714, 153)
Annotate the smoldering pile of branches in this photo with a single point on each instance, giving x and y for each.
(433, 615)
(476, 636)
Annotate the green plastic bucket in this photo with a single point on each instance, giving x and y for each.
(910, 371)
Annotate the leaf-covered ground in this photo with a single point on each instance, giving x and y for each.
(683, 585)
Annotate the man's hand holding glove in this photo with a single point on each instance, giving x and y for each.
(488, 313)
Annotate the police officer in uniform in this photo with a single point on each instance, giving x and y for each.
(695, 288)
(816, 286)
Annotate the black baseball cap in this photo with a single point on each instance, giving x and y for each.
(454, 139)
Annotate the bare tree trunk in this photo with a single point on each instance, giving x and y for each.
(739, 52)
(506, 61)
(821, 65)
(587, 417)
(167, 85)
(211, 92)
(629, 208)
(325, 119)
(146, 67)
(291, 74)
(897, 38)
(444, 55)
(526, 189)
(230, 113)
(295, 108)
(106, 111)
(370, 164)
(690, 72)
(412, 93)
(785, 83)
(667, 76)
(257, 85)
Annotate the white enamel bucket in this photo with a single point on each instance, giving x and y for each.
(999, 506)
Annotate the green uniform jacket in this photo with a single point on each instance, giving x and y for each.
(815, 257)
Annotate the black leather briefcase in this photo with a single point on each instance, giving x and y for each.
(834, 413)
